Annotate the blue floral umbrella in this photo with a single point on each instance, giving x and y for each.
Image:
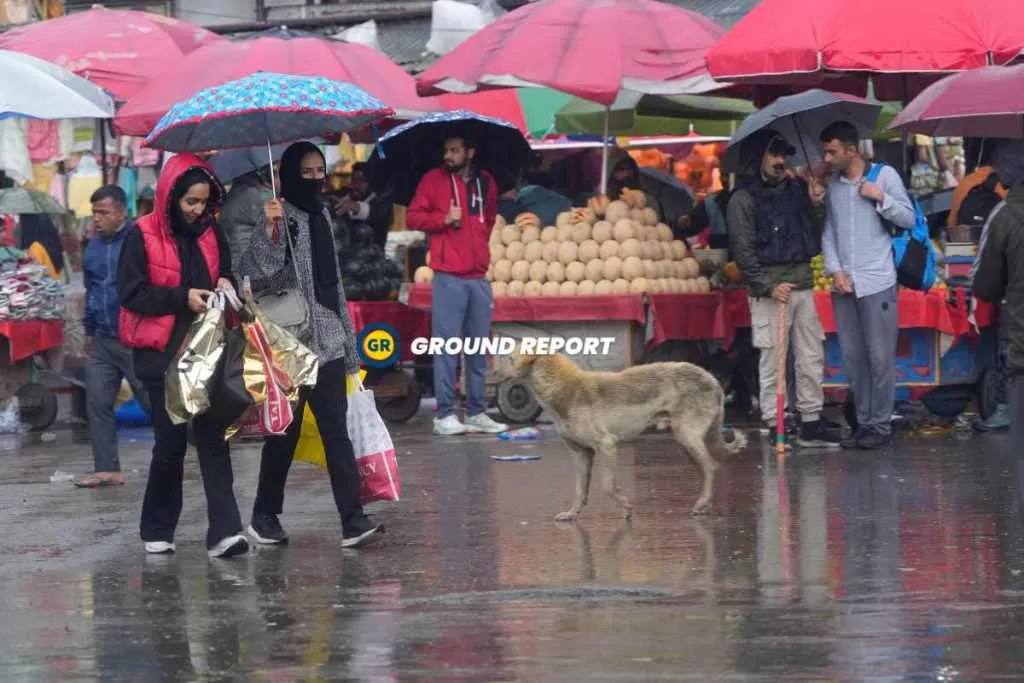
(413, 148)
(265, 108)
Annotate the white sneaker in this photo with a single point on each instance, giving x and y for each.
(483, 423)
(159, 547)
(449, 426)
(230, 546)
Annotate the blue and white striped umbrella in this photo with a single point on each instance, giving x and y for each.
(265, 108)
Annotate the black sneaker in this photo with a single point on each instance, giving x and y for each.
(817, 435)
(852, 442)
(266, 529)
(873, 440)
(361, 532)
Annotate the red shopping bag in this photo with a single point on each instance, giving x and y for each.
(273, 416)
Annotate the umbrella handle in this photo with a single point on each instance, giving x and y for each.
(270, 158)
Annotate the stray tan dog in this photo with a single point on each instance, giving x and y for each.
(596, 411)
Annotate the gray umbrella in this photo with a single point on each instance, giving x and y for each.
(674, 196)
(800, 119)
(233, 164)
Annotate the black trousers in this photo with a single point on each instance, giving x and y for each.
(161, 507)
(329, 404)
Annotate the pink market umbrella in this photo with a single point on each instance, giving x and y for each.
(118, 50)
(593, 49)
(987, 102)
(278, 51)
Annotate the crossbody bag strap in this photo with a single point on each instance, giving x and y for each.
(292, 251)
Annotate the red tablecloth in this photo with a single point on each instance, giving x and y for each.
(551, 309)
(691, 317)
(408, 322)
(942, 310)
(28, 337)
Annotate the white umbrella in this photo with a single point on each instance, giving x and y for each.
(33, 88)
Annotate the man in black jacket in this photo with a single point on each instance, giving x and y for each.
(775, 223)
(1000, 278)
(368, 213)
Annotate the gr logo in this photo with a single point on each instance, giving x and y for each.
(379, 345)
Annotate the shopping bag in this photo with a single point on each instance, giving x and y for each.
(291, 357)
(186, 387)
(229, 399)
(375, 453)
(310, 447)
(272, 415)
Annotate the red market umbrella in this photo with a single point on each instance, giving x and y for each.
(592, 49)
(118, 50)
(986, 102)
(278, 51)
(901, 46)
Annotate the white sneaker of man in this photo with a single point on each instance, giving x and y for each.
(449, 426)
(483, 423)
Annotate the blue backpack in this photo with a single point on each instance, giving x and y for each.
(911, 249)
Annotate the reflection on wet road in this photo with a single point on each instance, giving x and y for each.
(902, 566)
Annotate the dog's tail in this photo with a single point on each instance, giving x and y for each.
(718, 442)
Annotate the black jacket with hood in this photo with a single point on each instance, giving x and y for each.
(1000, 273)
(742, 219)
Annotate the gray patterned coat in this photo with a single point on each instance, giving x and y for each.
(265, 264)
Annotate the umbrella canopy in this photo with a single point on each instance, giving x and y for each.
(840, 44)
(235, 163)
(119, 50)
(265, 107)
(532, 110)
(279, 51)
(33, 88)
(588, 48)
(412, 149)
(675, 197)
(987, 102)
(800, 119)
(19, 200)
(643, 115)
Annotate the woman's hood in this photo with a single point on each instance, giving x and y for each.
(177, 166)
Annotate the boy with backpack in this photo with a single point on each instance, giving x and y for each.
(864, 203)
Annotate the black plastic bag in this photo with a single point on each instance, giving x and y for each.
(230, 399)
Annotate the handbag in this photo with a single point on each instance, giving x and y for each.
(287, 308)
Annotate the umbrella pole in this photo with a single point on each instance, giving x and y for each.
(103, 150)
(604, 153)
(270, 158)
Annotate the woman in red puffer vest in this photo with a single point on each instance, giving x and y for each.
(170, 264)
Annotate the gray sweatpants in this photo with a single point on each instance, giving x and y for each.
(109, 363)
(461, 308)
(867, 330)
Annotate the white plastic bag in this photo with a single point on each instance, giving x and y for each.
(451, 22)
(375, 453)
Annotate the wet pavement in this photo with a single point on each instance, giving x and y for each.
(904, 565)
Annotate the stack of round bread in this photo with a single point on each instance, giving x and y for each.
(607, 247)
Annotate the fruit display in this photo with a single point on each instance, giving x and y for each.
(607, 247)
(821, 282)
(367, 274)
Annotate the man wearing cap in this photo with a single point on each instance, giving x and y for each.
(775, 222)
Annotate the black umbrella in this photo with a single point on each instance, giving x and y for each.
(674, 196)
(405, 153)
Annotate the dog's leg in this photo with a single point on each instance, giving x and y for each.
(692, 439)
(584, 458)
(608, 457)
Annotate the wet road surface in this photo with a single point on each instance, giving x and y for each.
(904, 565)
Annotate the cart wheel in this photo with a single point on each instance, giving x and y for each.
(397, 396)
(517, 403)
(989, 386)
(38, 406)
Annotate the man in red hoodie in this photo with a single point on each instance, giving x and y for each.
(456, 206)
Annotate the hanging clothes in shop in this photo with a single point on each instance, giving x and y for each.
(14, 158)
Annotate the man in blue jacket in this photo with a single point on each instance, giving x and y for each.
(109, 361)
